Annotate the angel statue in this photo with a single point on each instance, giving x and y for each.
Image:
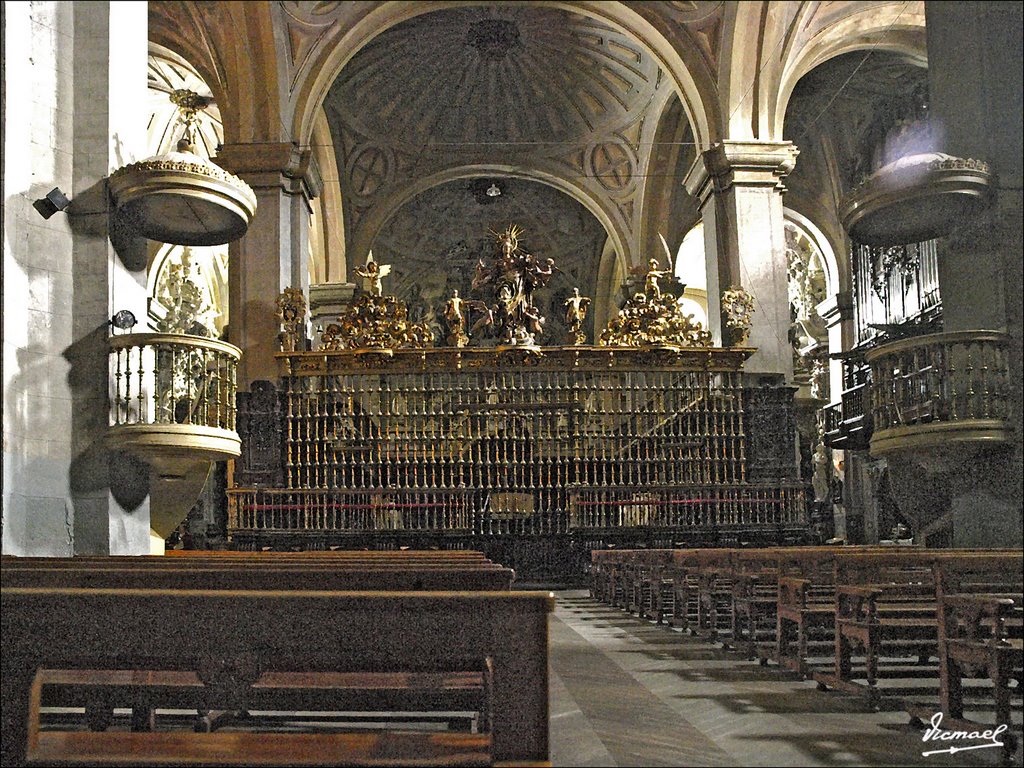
(575, 314)
(455, 317)
(372, 272)
(651, 286)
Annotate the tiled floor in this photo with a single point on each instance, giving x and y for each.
(627, 692)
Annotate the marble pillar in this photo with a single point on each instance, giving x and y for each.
(80, 91)
(739, 186)
(274, 253)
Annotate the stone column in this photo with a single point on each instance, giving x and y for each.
(77, 94)
(975, 104)
(739, 186)
(274, 253)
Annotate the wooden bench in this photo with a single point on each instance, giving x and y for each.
(309, 632)
(981, 634)
(103, 691)
(886, 603)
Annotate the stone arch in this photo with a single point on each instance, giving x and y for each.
(375, 219)
(668, 43)
(327, 224)
(882, 27)
(833, 274)
(232, 46)
(668, 210)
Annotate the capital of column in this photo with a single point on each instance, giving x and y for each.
(835, 309)
(267, 165)
(740, 163)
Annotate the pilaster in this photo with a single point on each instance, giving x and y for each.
(837, 312)
(326, 302)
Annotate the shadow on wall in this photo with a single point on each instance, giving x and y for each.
(57, 474)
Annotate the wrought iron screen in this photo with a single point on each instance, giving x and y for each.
(476, 441)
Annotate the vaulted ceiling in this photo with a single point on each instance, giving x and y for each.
(553, 104)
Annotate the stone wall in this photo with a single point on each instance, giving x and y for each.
(74, 86)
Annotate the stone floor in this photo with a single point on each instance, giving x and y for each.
(627, 692)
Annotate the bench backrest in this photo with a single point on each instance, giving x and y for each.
(309, 631)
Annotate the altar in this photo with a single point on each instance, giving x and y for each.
(533, 454)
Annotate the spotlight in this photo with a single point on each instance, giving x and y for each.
(123, 320)
(54, 201)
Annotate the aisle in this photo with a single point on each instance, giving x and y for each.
(627, 692)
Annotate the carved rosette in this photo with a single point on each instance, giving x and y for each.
(377, 322)
(646, 320)
(737, 309)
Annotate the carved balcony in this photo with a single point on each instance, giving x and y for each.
(848, 421)
(173, 404)
(944, 390)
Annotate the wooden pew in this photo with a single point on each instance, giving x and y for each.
(886, 603)
(102, 691)
(981, 633)
(251, 576)
(274, 632)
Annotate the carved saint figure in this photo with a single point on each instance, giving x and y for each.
(575, 314)
(819, 478)
(513, 279)
(372, 272)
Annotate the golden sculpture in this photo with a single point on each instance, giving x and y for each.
(372, 272)
(654, 319)
(187, 309)
(454, 315)
(513, 278)
(575, 314)
(375, 321)
(651, 287)
(291, 314)
(737, 307)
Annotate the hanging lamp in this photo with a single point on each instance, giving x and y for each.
(180, 197)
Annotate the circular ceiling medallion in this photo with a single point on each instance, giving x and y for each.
(611, 163)
(368, 170)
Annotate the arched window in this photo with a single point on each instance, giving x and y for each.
(691, 271)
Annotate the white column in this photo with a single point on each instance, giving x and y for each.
(76, 93)
(274, 253)
(739, 186)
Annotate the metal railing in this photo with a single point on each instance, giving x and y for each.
(950, 383)
(165, 379)
(493, 513)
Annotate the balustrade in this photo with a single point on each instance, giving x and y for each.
(173, 393)
(941, 387)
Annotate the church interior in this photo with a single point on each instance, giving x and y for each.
(488, 383)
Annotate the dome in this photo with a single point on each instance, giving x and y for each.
(478, 76)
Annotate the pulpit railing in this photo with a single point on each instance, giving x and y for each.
(929, 390)
(173, 392)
